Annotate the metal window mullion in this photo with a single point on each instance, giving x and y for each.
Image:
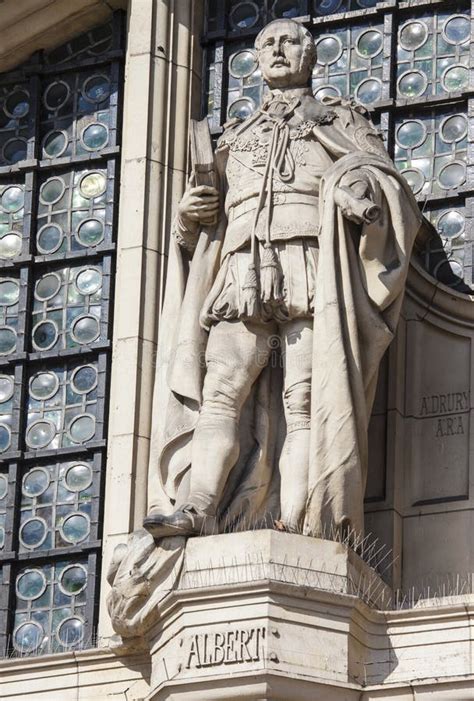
(33, 119)
(12, 521)
(91, 608)
(220, 86)
(223, 9)
(98, 474)
(470, 145)
(389, 57)
(7, 610)
(469, 237)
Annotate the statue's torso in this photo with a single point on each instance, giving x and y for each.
(295, 202)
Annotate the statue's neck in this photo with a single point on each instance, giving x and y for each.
(289, 93)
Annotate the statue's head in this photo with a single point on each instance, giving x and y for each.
(286, 54)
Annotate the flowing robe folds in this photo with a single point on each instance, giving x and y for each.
(360, 283)
(359, 288)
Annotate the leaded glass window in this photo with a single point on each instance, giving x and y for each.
(59, 160)
(408, 63)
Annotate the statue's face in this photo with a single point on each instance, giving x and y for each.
(280, 56)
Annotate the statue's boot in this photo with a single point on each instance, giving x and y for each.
(184, 522)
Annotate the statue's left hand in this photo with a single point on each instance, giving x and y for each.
(353, 197)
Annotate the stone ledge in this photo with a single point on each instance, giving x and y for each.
(255, 608)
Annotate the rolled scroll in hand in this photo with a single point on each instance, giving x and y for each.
(359, 210)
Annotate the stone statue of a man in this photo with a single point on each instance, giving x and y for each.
(277, 317)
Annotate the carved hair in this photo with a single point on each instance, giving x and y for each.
(309, 57)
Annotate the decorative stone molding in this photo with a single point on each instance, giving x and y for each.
(29, 25)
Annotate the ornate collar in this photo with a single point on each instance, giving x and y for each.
(287, 95)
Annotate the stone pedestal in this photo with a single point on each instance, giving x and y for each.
(268, 615)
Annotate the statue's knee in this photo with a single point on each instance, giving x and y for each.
(221, 396)
(297, 403)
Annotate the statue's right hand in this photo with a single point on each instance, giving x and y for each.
(199, 204)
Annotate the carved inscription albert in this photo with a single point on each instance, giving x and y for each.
(449, 403)
(229, 647)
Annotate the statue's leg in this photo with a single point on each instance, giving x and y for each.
(297, 348)
(236, 354)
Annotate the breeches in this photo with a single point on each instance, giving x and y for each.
(236, 354)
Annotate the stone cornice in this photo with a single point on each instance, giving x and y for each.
(27, 26)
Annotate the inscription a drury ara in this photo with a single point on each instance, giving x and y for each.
(448, 407)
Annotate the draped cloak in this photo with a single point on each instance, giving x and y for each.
(359, 289)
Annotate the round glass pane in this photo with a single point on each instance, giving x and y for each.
(28, 637)
(50, 238)
(95, 136)
(33, 532)
(244, 15)
(15, 150)
(369, 91)
(243, 64)
(327, 7)
(45, 335)
(7, 340)
(457, 29)
(89, 281)
(12, 199)
(455, 78)
(97, 88)
(40, 434)
(44, 385)
(78, 477)
(75, 528)
(414, 178)
(369, 43)
(452, 175)
(3, 486)
(93, 185)
(411, 134)
(412, 84)
(71, 631)
(241, 108)
(85, 329)
(366, 3)
(451, 224)
(82, 428)
(7, 387)
(413, 35)
(35, 482)
(454, 128)
(30, 585)
(445, 270)
(326, 91)
(52, 191)
(10, 245)
(17, 104)
(456, 267)
(84, 379)
(56, 95)
(90, 232)
(47, 287)
(9, 292)
(5, 438)
(286, 9)
(55, 144)
(73, 579)
(328, 49)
